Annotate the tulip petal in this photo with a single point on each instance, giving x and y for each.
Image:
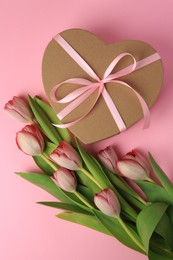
(28, 143)
(107, 202)
(65, 179)
(19, 109)
(131, 169)
(113, 201)
(108, 158)
(67, 182)
(66, 156)
(134, 155)
(104, 206)
(30, 140)
(71, 152)
(33, 130)
(15, 115)
(107, 163)
(22, 107)
(64, 161)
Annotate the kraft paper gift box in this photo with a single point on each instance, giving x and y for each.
(62, 68)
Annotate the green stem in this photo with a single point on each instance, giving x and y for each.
(91, 178)
(83, 199)
(130, 233)
(52, 165)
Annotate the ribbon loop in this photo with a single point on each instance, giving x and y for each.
(87, 87)
(115, 62)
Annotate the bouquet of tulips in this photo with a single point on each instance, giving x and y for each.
(95, 192)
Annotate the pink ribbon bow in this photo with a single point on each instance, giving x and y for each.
(76, 97)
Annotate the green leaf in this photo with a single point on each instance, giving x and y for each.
(46, 126)
(43, 165)
(45, 182)
(49, 148)
(154, 192)
(127, 192)
(87, 193)
(84, 220)
(159, 247)
(114, 227)
(136, 203)
(148, 219)
(161, 176)
(64, 206)
(85, 180)
(120, 183)
(64, 133)
(94, 168)
(154, 256)
(165, 229)
(170, 213)
(124, 204)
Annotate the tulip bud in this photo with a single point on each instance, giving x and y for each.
(19, 109)
(132, 169)
(30, 140)
(66, 156)
(107, 202)
(65, 179)
(108, 158)
(134, 155)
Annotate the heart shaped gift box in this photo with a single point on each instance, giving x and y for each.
(95, 120)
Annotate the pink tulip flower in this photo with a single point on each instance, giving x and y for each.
(19, 109)
(30, 140)
(107, 202)
(108, 158)
(66, 156)
(65, 179)
(134, 155)
(133, 166)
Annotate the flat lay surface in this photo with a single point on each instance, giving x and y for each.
(29, 230)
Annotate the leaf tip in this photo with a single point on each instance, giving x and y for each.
(29, 97)
(18, 173)
(37, 98)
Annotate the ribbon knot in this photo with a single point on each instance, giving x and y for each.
(102, 81)
(87, 87)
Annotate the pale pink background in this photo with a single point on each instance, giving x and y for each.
(28, 230)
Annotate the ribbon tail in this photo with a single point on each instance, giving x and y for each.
(144, 106)
(145, 109)
(113, 110)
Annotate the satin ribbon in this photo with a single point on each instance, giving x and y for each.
(76, 97)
